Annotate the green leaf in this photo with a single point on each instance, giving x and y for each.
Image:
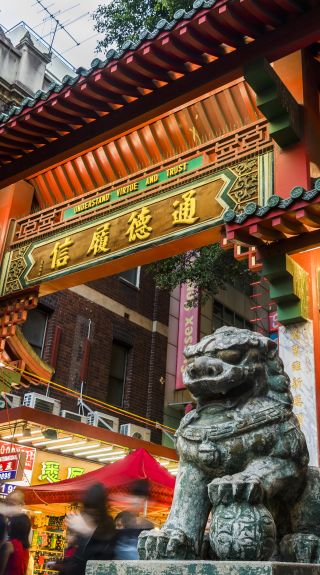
(210, 269)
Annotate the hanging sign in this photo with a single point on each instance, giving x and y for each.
(188, 329)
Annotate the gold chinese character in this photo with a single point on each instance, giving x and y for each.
(139, 229)
(100, 240)
(296, 382)
(295, 349)
(295, 333)
(296, 365)
(299, 417)
(60, 254)
(50, 471)
(185, 214)
(297, 401)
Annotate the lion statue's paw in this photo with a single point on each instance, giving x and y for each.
(165, 544)
(300, 548)
(238, 487)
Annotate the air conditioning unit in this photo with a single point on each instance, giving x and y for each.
(72, 415)
(99, 419)
(42, 402)
(10, 399)
(135, 431)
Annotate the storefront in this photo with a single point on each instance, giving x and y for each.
(39, 449)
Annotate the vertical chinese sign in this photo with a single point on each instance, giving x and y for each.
(188, 329)
(296, 352)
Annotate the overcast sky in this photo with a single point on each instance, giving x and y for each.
(66, 11)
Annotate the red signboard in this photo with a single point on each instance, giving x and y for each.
(16, 462)
(188, 329)
(9, 466)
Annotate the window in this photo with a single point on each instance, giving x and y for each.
(118, 372)
(35, 327)
(131, 276)
(223, 315)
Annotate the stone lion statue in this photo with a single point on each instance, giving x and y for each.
(243, 460)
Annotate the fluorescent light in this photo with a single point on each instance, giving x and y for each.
(30, 439)
(75, 444)
(115, 453)
(76, 449)
(91, 450)
(111, 459)
(16, 435)
(46, 442)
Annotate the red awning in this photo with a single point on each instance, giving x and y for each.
(117, 477)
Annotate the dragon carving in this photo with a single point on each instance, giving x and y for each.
(243, 458)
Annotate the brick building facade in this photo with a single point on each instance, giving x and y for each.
(108, 338)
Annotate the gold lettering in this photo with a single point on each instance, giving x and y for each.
(296, 365)
(127, 189)
(139, 229)
(177, 170)
(100, 240)
(60, 254)
(152, 179)
(186, 209)
(91, 203)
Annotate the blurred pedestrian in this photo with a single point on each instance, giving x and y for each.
(138, 502)
(16, 550)
(127, 536)
(3, 535)
(13, 504)
(95, 531)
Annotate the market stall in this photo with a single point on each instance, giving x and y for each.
(50, 502)
(117, 478)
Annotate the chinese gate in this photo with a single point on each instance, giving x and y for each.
(150, 152)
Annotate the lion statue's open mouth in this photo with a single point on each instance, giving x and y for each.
(220, 363)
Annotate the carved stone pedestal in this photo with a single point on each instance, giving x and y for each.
(199, 568)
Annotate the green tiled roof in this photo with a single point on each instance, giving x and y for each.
(111, 55)
(274, 203)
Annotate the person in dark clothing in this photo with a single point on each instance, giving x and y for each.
(127, 536)
(3, 534)
(16, 550)
(95, 532)
(138, 500)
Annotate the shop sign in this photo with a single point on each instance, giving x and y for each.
(188, 329)
(16, 462)
(9, 466)
(50, 472)
(51, 469)
(133, 187)
(7, 488)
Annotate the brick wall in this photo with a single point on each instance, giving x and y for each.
(74, 317)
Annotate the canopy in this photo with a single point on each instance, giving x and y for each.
(117, 477)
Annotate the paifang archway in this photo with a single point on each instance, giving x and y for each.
(143, 155)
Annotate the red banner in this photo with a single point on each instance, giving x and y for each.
(188, 329)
